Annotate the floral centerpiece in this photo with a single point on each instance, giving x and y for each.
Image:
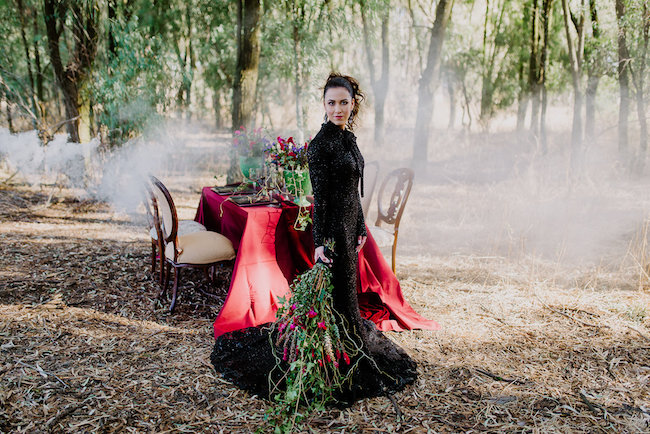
(289, 160)
(249, 146)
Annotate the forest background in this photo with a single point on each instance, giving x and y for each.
(109, 69)
(525, 235)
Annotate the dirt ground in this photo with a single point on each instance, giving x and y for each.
(86, 346)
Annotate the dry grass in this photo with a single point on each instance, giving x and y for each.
(86, 347)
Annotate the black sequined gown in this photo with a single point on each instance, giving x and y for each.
(245, 357)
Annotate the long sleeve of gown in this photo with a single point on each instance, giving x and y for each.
(320, 180)
(361, 223)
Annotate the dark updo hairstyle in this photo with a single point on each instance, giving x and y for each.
(352, 85)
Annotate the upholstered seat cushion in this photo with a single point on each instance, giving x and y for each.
(203, 247)
(184, 227)
(383, 237)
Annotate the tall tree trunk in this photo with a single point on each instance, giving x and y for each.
(379, 85)
(451, 91)
(640, 90)
(3, 97)
(623, 82)
(533, 70)
(297, 64)
(245, 82)
(594, 74)
(112, 16)
(30, 74)
(576, 48)
(427, 80)
(191, 61)
(84, 32)
(523, 97)
(37, 56)
(546, 20)
(489, 63)
(248, 56)
(216, 102)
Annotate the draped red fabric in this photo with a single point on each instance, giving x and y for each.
(271, 253)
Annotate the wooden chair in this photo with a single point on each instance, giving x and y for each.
(203, 249)
(184, 227)
(370, 173)
(403, 181)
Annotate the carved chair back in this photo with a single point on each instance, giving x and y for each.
(165, 213)
(401, 181)
(370, 172)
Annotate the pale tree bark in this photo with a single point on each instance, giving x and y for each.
(594, 73)
(298, 72)
(245, 82)
(533, 70)
(638, 77)
(523, 98)
(623, 82)
(427, 83)
(489, 63)
(3, 96)
(379, 84)
(546, 24)
(576, 50)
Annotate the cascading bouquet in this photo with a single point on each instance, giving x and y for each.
(311, 338)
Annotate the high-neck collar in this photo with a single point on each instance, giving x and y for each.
(330, 126)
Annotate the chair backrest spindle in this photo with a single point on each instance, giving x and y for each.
(403, 179)
(169, 221)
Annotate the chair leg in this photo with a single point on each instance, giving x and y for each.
(177, 273)
(153, 258)
(166, 272)
(206, 271)
(394, 252)
(162, 265)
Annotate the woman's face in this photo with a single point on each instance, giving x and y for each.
(338, 105)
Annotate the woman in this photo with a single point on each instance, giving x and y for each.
(336, 167)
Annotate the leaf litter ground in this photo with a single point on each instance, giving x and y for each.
(85, 346)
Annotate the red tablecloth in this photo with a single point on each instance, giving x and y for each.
(270, 253)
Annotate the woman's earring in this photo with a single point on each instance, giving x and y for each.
(325, 118)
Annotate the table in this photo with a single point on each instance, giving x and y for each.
(270, 253)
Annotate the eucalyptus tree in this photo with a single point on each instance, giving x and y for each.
(376, 13)
(22, 74)
(131, 75)
(72, 35)
(633, 22)
(623, 79)
(217, 51)
(248, 60)
(637, 21)
(301, 35)
(596, 55)
(540, 29)
(427, 82)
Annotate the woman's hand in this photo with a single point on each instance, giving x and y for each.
(319, 253)
(360, 242)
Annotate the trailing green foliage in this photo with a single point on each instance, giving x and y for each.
(312, 341)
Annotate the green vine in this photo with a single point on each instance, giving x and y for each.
(311, 338)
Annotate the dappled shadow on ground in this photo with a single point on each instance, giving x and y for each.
(86, 346)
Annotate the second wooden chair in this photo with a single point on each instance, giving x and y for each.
(392, 214)
(202, 249)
